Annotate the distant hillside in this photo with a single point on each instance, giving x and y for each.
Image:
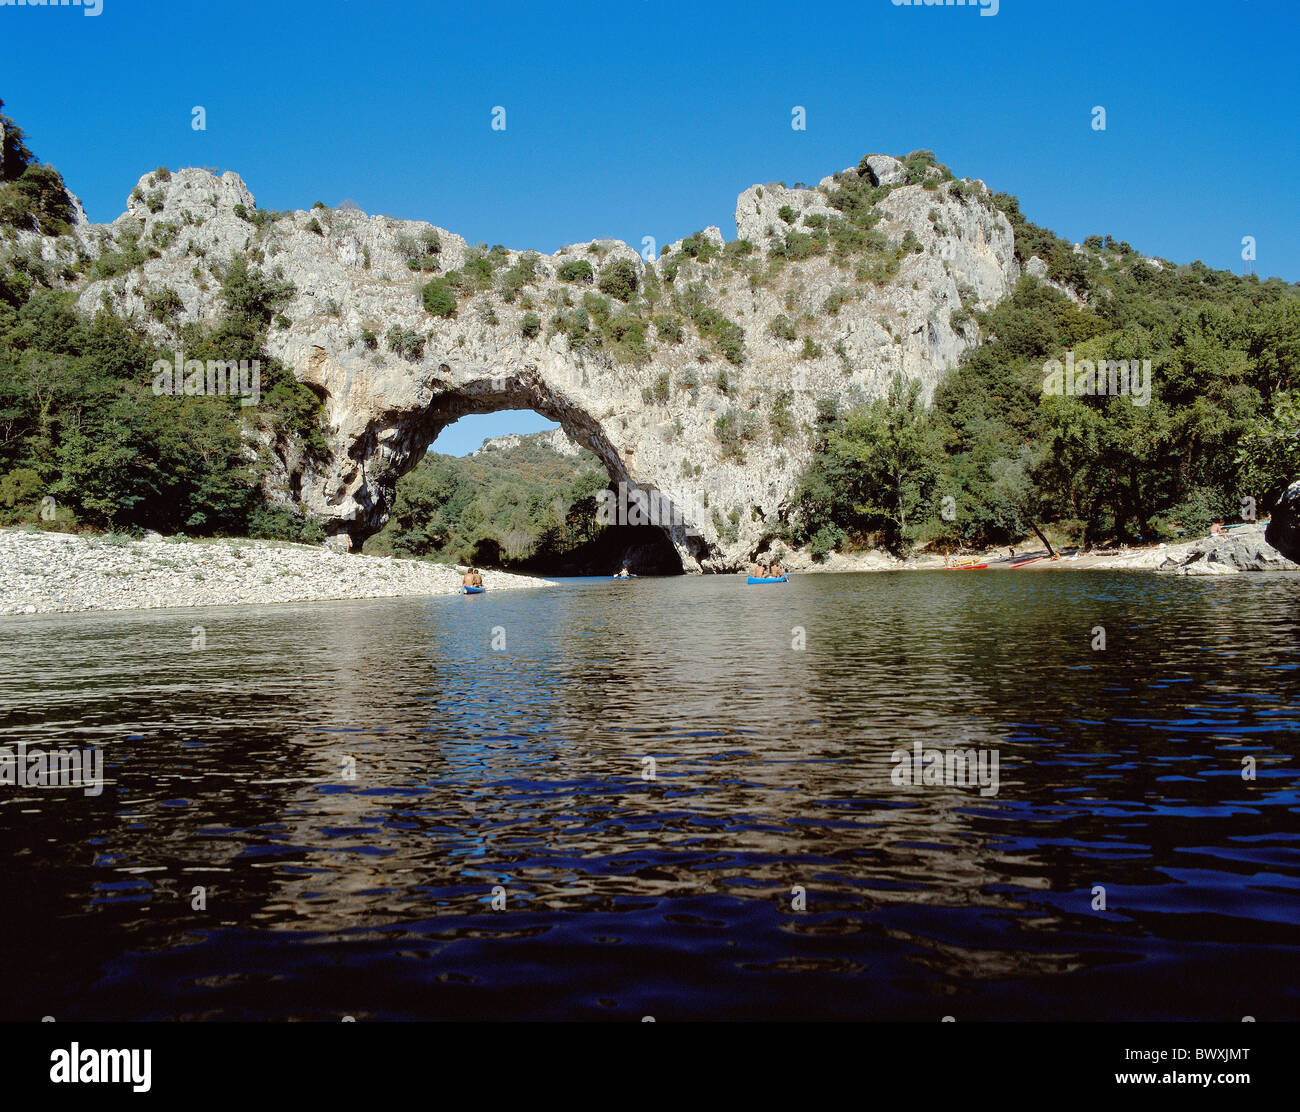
(517, 497)
(553, 439)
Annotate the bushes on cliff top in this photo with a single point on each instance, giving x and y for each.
(520, 275)
(421, 252)
(32, 197)
(699, 246)
(1063, 265)
(619, 280)
(80, 414)
(576, 270)
(37, 201)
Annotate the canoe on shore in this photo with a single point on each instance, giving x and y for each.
(769, 579)
(967, 567)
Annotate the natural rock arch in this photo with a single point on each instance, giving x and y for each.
(358, 489)
(660, 415)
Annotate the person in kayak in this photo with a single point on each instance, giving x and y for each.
(760, 571)
(467, 580)
(776, 571)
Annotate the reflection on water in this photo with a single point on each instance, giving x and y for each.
(522, 771)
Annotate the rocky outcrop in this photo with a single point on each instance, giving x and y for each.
(1244, 550)
(758, 211)
(884, 170)
(658, 421)
(1283, 531)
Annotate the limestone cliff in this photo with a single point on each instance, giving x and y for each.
(814, 328)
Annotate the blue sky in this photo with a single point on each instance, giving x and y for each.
(647, 117)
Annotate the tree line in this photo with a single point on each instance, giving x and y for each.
(996, 457)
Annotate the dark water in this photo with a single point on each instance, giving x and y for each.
(625, 897)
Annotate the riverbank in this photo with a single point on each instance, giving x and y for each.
(51, 573)
(1245, 549)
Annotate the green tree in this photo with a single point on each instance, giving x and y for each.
(876, 469)
(14, 154)
(575, 270)
(619, 280)
(1014, 486)
(1269, 452)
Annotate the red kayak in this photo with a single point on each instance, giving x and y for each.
(1023, 563)
(968, 567)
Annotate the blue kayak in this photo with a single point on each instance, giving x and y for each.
(473, 590)
(769, 579)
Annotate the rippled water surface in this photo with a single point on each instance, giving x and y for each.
(524, 770)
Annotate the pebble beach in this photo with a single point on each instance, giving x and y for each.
(50, 573)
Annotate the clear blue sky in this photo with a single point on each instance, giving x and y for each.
(647, 117)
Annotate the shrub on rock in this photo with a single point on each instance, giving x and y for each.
(439, 298)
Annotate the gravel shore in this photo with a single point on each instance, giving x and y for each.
(47, 573)
(1245, 549)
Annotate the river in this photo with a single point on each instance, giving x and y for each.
(681, 798)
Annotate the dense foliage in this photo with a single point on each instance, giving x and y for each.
(80, 423)
(439, 298)
(997, 457)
